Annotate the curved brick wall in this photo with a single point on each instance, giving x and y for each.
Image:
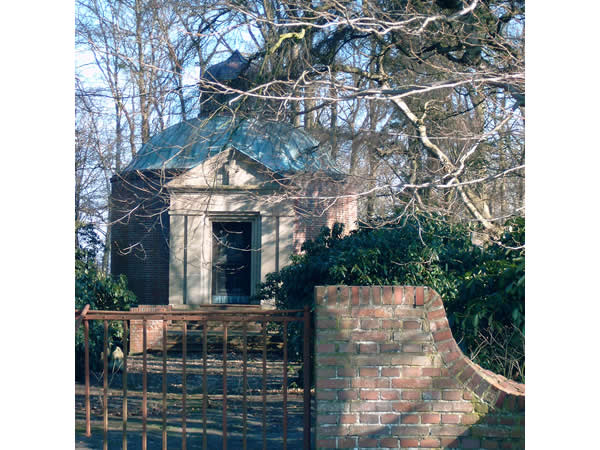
(389, 374)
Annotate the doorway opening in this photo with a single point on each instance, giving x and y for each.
(231, 262)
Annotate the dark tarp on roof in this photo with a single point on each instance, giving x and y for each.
(229, 69)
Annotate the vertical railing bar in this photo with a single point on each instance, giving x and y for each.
(306, 372)
(105, 387)
(184, 386)
(204, 383)
(125, 351)
(285, 385)
(264, 385)
(224, 385)
(86, 339)
(164, 385)
(144, 385)
(245, 383)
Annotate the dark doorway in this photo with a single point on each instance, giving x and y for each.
(231, 259)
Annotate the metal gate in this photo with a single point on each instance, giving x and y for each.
(253, 333)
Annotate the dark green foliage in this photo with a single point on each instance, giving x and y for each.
(482, 288)
(489, 311)
(101, 292)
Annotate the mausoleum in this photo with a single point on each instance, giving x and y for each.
(211, 205)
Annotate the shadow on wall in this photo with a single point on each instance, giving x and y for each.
(389, 374)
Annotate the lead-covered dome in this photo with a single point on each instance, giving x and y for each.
(278, 146)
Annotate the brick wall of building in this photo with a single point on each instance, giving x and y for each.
(140, 236)
(389, 374)
(326, 201)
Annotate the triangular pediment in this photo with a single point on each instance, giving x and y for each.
(227, 169)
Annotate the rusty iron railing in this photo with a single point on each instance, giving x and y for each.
(225, 317)
(80, 315)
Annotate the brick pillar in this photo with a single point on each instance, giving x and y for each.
(153, 329)
(390, 375)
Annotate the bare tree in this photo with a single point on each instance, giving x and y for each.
(449, 74)
(422, 102)
(134, 61)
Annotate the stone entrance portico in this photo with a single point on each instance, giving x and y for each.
(229, 188)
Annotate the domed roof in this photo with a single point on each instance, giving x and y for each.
(278, 146)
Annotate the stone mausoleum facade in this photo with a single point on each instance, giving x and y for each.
(210, 206)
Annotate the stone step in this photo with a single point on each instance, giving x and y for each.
(217, 327)
(215, 344)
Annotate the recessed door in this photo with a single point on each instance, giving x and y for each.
(231, 262)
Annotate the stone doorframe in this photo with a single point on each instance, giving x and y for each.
(254, 220)
(190, 281)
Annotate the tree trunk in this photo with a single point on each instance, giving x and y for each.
(140, 75)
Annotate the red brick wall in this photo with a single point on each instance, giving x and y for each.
(389, 374)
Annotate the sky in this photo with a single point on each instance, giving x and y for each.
(563, 158)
